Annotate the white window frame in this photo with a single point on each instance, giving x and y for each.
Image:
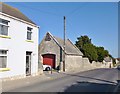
(5, 55)
(7, 25)
(29, 31)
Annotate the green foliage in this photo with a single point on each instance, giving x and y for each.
(101, 53)
(81, 41)
(90, 52)
(93, 53)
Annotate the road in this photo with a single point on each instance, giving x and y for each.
(98, 80)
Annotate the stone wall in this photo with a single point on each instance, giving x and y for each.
(50, 47)
(86, 64)
(76, 63)
(73, 62)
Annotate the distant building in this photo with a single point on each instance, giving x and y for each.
(108, 62)
(51, 52)
(117, 60)
(19, 43)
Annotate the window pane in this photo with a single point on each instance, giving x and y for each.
(3, 30)
(4, 21)
(29, 35)
(3, 61)
(29, 29)
(3, 52)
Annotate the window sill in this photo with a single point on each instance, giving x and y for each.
(4, 36)
(30, 41)
(4, 69)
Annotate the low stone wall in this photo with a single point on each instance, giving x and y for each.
(73, 62)
(87, 65)
(83, 64)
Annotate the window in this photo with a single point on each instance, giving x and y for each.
(4, 27)
(29, 33)
(3, 58)
(47, 38)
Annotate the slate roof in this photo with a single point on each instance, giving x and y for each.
(14, 12)
(70, 48)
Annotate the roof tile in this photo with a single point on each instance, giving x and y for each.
(14, 12)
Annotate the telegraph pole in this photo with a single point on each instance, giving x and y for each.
(64, 42)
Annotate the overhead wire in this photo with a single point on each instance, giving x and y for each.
(55, 14)
(70, 14)
(37, 9)
(75, 10)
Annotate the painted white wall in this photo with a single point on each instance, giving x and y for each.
(17, 47)
(107, 64)
(117, 61)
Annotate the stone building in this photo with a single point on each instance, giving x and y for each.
(51, 52)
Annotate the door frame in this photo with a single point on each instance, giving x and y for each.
(29, 65)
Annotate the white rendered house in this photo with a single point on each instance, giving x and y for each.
(18, 44)
(108, 62)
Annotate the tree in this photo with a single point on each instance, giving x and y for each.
(89, 51)
(81, 41)
(101, 53)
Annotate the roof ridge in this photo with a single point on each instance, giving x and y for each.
(54, 39)
(10, 6)
(15, 12)
(60, 44)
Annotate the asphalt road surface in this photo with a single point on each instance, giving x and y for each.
(98, 80)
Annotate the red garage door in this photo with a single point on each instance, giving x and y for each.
(49, 59)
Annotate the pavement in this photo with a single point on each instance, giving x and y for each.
(12, 84)
(29, 80)
(98, 80)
